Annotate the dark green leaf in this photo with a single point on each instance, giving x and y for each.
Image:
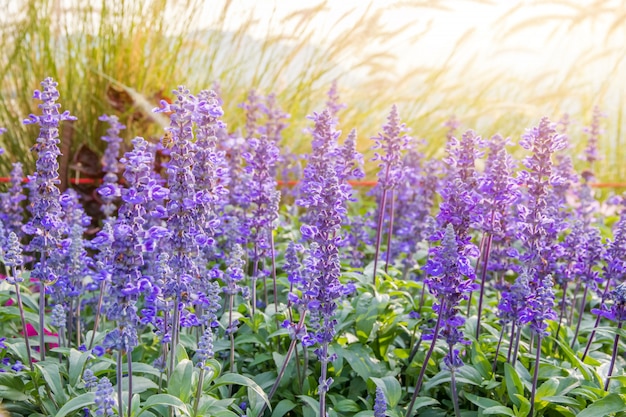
(161, 399)
(283, 407)
(612, 403)
(230, 379)
(180, 383)
(82, 401)
(391, 388)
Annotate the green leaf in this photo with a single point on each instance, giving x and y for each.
(482, 402)
(162, 399)
(513, 384)
(562, 399)
(361, 360)
(312, 403)
(525, 407)
(346, 406)
(179, 384)
(391, 388)
(11, 380)
(283, 407)
(12, 393)
(499, 410)
(77, 364)
(229, 379)
(547, 389)
(82, 401)
(50, 372)
(140, 384)
(612, 403)
(181, 353)
(424, 402)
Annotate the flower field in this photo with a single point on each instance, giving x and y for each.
(193, 281)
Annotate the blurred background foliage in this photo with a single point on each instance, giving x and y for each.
(122, 57)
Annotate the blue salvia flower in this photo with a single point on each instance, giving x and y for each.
(513, 301)
(414, 203)
(252, 107)
(617, 311)
(536, 228)
(190, 209)
(539, 307)
(539, 224)
(110, 189)
(380, 403)
(58, 318)
(320, 288)
(129, 244)
(104, 399)
(594, 131)
(333, 104)
(45, 225)
(90, 380)
(274, 123)
(392, 142)
(263, 195)
(12, 256)
(450, 280)
(461, 201)
(12, 213)
(499, 189)
(210, 169)
(75, 260)
(205, 348)
(233, 276)
(349, 161)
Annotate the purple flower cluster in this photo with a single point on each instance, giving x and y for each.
(11, 208)
(109, 190)
(392, 142)
(45, 224)
(450, 279)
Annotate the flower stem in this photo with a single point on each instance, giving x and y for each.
(455, 397)
(97, 320)
(120, 404)
(535, 375)
(495, 359)
(129, 358)
(379, 231)
(580, 314)
(20, 306)
(389, 231)
(196, 401)
(483, 278)
(283, 368)
(420, 379)
(323, 374)
(613, 357)
(595, 326)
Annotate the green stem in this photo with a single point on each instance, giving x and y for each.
(535, 376)
(97, 320)
(196, 401)
(20, 306)
(613, 357)
(420, 379)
